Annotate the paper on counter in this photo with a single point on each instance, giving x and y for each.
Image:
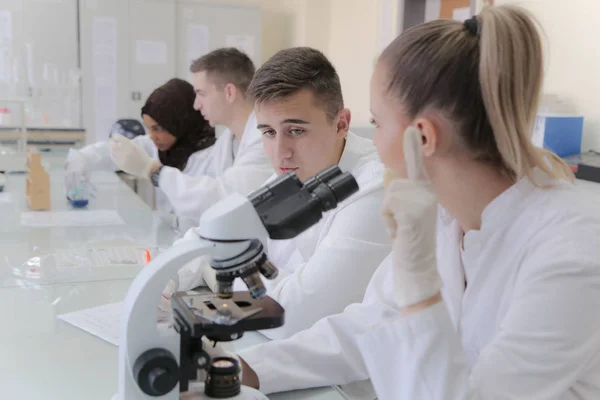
(46, 219)
(104, 321)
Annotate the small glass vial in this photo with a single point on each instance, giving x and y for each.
(77, 190)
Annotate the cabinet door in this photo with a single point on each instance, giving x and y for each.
(203, 27)
(152, 48)
(39, 63)
(104, 44)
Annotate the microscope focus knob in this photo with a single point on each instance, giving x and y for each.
(156, 372)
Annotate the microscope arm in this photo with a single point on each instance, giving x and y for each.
(229, 226)
(138, 326)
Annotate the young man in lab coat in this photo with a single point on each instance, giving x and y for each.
(238, 161)
(305, 128)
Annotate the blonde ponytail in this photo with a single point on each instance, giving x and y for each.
(511, 76)
(485, 76)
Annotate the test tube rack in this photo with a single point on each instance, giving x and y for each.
(38, 182)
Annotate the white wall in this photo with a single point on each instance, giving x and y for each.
(288, 23)
(353, 48)
(347, 31)
(572, 32)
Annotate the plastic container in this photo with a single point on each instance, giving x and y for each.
(560, 134)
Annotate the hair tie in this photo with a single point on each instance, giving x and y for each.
(473, 26)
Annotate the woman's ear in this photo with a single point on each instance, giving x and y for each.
(429, 135)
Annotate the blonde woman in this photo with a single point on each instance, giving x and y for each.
(509, 308)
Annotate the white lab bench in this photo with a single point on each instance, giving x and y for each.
(42, 357)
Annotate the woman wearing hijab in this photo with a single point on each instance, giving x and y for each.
(176, 137)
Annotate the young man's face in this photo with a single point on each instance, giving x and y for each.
(298, 136)
(210, 100)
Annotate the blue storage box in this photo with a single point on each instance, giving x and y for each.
(560, 134)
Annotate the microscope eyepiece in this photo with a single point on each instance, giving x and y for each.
(322, 177)
(332, 187)
(343, 186)
(286, 207)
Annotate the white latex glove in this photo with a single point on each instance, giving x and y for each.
(77, 169)
(129, 157)
(410, 213)
(215, 349)
(76, 163)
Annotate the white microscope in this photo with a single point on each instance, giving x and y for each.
(234, 232)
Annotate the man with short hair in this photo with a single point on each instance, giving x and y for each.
(238, 159)
(300, 110)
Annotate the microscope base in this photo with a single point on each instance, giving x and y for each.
(197, 393)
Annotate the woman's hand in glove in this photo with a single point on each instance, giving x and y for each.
(410, 213)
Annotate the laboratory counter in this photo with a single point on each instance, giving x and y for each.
(43, 357)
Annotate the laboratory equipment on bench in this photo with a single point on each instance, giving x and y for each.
(586, 166)
(38, 182)
(233, 233)
(79, 189)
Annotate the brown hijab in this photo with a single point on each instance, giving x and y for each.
(172, 106)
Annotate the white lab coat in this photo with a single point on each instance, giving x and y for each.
(97, 157)
(328, 266)
(232, 170)
(525, 327)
